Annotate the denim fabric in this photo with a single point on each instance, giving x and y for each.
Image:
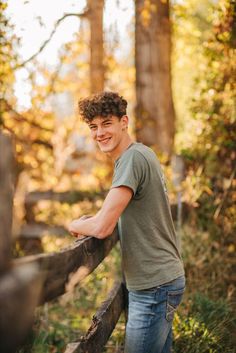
(150, 317)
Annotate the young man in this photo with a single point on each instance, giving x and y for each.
(138, 201)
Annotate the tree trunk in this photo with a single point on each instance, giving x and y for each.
(96, 45)
(155, 110)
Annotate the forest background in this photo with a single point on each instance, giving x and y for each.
(176, 67)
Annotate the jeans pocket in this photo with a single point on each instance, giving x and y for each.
(173, 300)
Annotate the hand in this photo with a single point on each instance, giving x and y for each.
(77, 235)
(72, 227)
(74, 233)
(80, 236)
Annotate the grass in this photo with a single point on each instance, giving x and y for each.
(207, 326)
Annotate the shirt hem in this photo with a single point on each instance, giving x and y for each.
(156, 283)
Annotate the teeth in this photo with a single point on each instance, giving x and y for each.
(105, 140)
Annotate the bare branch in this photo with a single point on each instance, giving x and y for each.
(5, 106)
(84, 14)
(28, 142)
(218, 210)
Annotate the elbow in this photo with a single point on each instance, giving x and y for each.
(102, 235)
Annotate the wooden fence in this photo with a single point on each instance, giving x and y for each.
(33, 280)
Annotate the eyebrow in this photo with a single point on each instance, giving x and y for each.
(104, 121)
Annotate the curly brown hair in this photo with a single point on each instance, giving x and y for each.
(102, 104)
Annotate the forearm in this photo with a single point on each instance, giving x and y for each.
(92, 226)
(103, 223)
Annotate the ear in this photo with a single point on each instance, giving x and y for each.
(124, 122)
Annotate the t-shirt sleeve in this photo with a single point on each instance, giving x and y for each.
(129, 171)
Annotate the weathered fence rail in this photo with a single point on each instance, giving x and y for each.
(67, 196)
(70, 265)
(104, 321)
(38, 230)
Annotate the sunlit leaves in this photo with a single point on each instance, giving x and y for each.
(8, 57)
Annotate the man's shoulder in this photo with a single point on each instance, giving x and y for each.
(142, 151)
(134, 153)
(138, 154)
(137, 148)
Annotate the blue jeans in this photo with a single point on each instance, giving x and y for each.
(150, 317)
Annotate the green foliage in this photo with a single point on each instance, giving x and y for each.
(205, 86)
(209, 148)
(213, 106)
(191, 27)
(208, 263)
(206, 328)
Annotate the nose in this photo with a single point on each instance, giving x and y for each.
(100, 131)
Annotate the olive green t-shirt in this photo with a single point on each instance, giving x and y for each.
(149, 244)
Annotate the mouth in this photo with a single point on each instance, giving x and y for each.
(104, 141)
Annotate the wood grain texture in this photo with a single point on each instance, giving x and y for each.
(19, 295)
(64, 269)
(103, 323)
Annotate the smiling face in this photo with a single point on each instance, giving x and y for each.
(110, 133)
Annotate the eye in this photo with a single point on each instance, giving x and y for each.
(107, 123)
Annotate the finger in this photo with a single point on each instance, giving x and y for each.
(74, 234)
(80, 236)
(85, 217)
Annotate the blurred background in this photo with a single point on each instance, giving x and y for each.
(175, 63)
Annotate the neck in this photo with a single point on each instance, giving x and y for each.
(126, 142)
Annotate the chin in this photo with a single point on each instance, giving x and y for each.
(106, 149)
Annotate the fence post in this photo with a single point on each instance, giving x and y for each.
(6, 200)
(19, 288)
